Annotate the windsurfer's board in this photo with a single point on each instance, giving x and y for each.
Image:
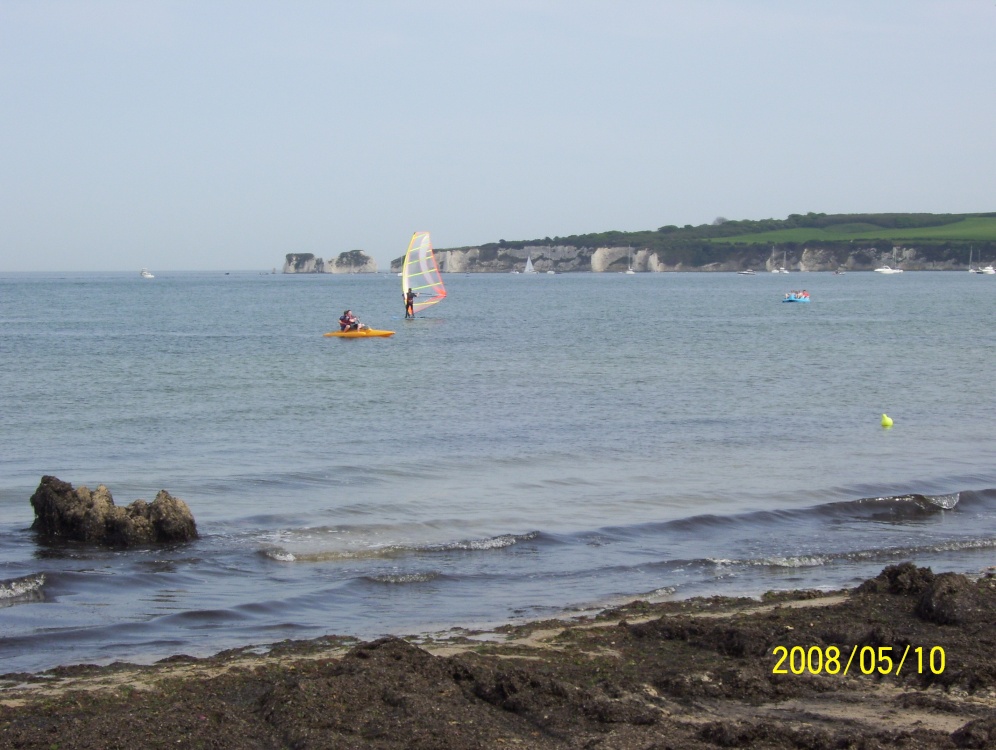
(361, 334)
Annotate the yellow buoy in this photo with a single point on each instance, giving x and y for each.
(886, 420)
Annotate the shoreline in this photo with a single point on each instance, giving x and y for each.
(695, 673)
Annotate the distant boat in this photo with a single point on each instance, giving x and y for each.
(529, 266)
(748, 272)
(887, 268)
(971, 268)
(146, 274)
(783, 269)
(630, 269)
(989, 270)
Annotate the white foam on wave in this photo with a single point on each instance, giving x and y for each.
(19, 588)
(925, 502)
(387, 551)
(495, 542)
(945, 502)
(800, 561)
(665, 592)
(280, 555)
(966, 544)
(884, 553)
(789, 561)
(423, 577)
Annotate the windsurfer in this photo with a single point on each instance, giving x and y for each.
(348, 322)
(410, 303)
(420, 268)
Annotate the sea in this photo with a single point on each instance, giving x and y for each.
(534, 446)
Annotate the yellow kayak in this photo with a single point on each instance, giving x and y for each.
(361, 334)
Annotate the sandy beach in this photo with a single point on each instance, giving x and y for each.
(906, 660)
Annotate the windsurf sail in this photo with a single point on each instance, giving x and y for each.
(420, 273)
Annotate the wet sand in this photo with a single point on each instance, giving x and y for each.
(860, 668)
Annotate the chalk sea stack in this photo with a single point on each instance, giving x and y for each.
(62, 512)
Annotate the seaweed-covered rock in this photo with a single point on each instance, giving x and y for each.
(953, 599)
(905, 579)
(62, 512)
(980, 733)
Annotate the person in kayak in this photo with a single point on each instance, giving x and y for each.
(348, 322)
(410, 303)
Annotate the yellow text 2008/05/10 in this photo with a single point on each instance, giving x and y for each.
(867, 660)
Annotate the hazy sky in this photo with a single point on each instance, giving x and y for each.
(223, 135)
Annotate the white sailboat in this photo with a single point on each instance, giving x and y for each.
(529, 266)
(971, 268)
(630, 269)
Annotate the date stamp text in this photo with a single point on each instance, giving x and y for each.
(868, 660)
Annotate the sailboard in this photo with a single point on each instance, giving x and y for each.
(420, 273)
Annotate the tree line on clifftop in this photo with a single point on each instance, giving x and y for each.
(938, 238)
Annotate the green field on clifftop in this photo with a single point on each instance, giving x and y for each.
(982, 229)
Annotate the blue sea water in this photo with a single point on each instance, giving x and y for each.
(532, 446)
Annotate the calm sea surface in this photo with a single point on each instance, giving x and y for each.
(535, 445)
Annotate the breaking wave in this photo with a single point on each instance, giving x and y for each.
(21, 590)
(871, 555)
(402, 578)
(281, 554)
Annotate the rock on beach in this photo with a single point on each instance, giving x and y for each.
(90, 516)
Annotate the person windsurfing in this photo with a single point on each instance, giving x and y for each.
(410, 303)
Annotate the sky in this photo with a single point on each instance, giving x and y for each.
(224, 134)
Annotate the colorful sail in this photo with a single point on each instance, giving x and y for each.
(420, 273)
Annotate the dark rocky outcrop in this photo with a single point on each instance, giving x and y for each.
(62, 512)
